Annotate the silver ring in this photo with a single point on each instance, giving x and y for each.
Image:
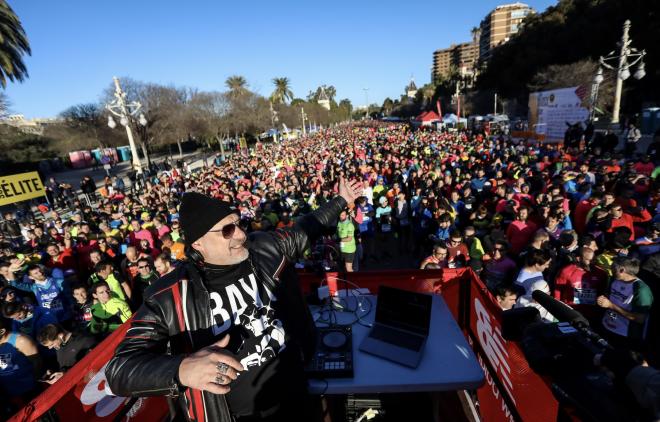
(220, 379)
(222, 368)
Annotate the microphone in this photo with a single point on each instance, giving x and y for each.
(565, 313)
(558, 309)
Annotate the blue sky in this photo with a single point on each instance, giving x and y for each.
(77, 46)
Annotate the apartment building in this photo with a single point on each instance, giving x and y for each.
(499, 26)
(463, 57)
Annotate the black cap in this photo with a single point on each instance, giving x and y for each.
(198, 213)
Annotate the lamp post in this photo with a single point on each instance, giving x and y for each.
(120, 108)
(303, 115)
(627, 57)
(366, 97)
(274, 120)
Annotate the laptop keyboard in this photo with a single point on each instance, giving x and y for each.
(397, 338)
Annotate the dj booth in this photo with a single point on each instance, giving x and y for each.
(447, 361)
(464, 351)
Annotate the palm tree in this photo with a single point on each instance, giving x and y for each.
(13, 45)
(237, 85)
(282, 91)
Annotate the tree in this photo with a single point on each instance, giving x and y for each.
(344, 110)
(163, 107)
(282, 91)
(237, 85)
(4, 105)
(13, 45)
(387, 106)
(211, 109)
(330, 92)
(86, 118)
(558, 37)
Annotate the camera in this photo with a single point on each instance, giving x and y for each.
(563, 352)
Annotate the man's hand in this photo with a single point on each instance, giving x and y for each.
(350, 191)
(51, 377)
(200, 370)
(603, 302)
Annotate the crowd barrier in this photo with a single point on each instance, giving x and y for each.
(512, 392)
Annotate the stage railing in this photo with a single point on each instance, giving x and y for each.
(512, 391)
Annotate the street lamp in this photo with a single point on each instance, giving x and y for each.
(274, 120)
(120, 108)
(366, 97)
(627, 57)
(304, 116)
(595, 85)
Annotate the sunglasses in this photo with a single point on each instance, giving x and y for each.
(142, 267)
(228, 229)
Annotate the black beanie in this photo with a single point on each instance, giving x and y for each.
(198, 213)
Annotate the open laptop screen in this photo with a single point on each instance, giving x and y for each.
(404, 309)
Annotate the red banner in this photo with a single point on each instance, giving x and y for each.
(512, 390)
(82, 393)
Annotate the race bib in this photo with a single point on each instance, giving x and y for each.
(584, 296)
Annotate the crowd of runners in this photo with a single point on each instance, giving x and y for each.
(578, 223)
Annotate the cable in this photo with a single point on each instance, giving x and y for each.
(358, 296)
(329, 306)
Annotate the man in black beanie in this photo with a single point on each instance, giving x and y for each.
(237, 325)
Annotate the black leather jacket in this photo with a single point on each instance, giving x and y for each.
(176, 312)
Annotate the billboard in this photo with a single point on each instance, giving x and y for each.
(20, 187)
(550, 111)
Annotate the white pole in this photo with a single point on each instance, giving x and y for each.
(622, 64)
(495, 112)
(137, 165)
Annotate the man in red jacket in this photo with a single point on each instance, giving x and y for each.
(623, 219)
(62, 259)
(582, 211)
(579, 283)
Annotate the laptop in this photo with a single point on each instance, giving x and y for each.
(401, 326)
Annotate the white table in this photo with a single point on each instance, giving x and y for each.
(448, 363)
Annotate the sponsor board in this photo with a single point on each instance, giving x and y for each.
(20, 187)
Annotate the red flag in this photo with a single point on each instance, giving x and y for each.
(437, 104)
(458, 107)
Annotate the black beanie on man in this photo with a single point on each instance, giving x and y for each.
(199, 213)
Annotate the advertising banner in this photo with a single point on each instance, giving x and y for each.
(551, 111)
(20, 187)
(512, 390)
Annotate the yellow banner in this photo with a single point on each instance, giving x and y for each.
(20, 187)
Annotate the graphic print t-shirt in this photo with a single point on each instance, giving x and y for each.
(242, 307)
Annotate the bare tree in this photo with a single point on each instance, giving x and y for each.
(85, 118)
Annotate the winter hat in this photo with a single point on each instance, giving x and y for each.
(198, 213)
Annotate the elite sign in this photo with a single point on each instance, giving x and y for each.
(20, 187)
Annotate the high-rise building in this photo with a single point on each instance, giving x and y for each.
(462, 57)
(499, 26)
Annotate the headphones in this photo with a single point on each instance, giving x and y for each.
(191, 253)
